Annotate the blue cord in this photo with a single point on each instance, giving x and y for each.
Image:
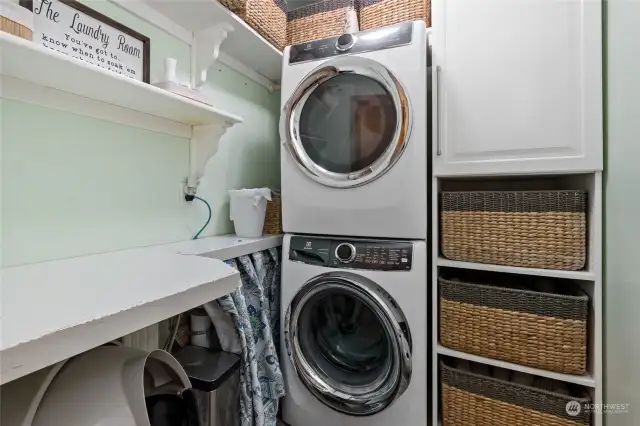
(208, 219)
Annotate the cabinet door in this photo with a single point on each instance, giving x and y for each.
(518, 86)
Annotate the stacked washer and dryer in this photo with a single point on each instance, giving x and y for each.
(355, 196)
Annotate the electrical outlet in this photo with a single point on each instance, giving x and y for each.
(182, 187)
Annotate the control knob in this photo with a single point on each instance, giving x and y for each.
(345, 42)
(345, 252)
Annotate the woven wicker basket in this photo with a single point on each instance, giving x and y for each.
(16, 20)
(267, 17)
(473, 399)
(381, 13)
(319, 20)
(273, 217)
(535, 229)
(536, 329)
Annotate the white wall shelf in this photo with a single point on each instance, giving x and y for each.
(54, 310)
(553, 273)
(34, 74)
(244, 49)
(586, 380)
(243, 44)
(46, 70)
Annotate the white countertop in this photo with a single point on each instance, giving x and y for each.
(53, 310)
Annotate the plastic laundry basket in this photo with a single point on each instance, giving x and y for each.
(108, 386)
(248, 209)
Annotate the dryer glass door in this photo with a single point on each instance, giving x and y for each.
(347, 123)
(349, 343)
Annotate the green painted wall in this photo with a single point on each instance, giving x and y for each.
(73, 185)
(622, 226)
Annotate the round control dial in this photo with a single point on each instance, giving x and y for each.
(345, 42)
(345, 252)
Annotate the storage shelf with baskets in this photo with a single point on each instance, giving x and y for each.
(584, 380)
(517, 291)
(555, 273)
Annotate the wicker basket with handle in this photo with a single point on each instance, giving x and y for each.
(267, 17)
(478, 400)
(535, 229)
(320, 20)
(532, 328)
(381, 13)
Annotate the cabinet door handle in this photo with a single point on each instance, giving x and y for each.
(438, 139)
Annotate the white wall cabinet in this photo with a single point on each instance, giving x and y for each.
(518, 86)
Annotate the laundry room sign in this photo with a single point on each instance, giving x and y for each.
(75, 29)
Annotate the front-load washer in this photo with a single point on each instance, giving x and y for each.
(354, 127)
(354, 332)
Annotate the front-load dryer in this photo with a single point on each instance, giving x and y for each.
(354, 128)
(354, 332)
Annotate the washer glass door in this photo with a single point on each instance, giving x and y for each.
(347, 122)
(349, 343)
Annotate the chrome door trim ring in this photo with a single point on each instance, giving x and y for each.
(372, 294)
(290, 117)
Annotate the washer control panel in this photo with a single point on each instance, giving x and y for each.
(378, 255)
(365, 41)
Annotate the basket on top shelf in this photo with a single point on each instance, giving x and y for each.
(16, 20)
(267, 17)
(538, 329)
(381, 13)
(320, 20)
(479, 400)
(534, 229)
(273, 217)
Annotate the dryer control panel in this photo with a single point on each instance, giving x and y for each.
(364, 41)
(380, 255)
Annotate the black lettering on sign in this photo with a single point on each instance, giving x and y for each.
(71, 39)
(96, 33)
(53, 41)
(49, 13)
(127, 48)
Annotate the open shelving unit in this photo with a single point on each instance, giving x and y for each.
(589, 280)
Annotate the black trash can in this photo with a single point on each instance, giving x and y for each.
(215, 378)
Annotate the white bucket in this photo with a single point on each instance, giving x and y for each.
(248, 209)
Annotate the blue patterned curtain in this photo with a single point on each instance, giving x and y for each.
(254, 307)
